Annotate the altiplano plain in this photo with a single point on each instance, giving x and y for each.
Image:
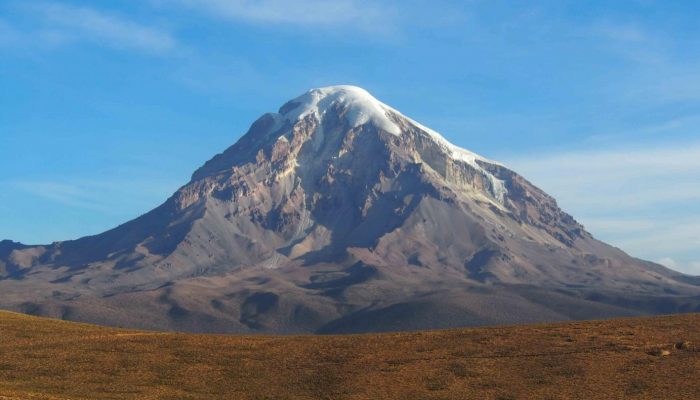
(613, 359)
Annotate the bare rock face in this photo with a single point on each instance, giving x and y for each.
(339, 214)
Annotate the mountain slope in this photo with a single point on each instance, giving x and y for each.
(340, 214)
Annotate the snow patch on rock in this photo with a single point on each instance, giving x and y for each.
(362, 108)
(360, 105)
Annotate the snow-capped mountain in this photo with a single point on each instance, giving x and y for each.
(338, 214)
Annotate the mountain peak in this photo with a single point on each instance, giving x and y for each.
(361, 107)
(325, 112)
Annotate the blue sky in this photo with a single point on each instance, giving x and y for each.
(106, 107)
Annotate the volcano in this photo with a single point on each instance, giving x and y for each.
(340, 214)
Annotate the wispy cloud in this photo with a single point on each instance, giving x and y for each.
(103, 196)
(678, 235)
(692, 268)
(618, 32)
(365, 15)
(58, 24)
(624, 178)
(641, 200)
(657, 72)
(63, 193)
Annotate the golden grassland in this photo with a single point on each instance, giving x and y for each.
(624, 358)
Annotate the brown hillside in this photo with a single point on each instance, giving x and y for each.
(48, 359)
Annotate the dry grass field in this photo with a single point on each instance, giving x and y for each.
(624, 358)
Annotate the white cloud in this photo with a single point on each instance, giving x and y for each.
(60, 24)
(366, 15)
(627, 161)
(679, 235)
(620, 226)
(694, 268)
(617, 179)
(668, 262)
(644, 200)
